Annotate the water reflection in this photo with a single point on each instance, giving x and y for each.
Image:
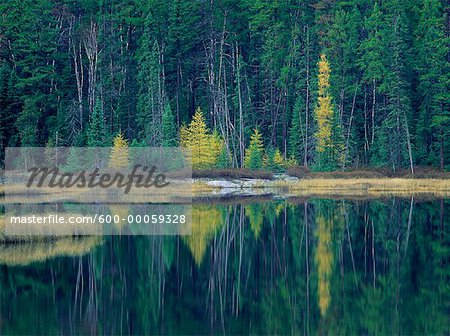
(297, 267)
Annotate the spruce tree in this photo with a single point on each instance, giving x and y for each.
(255, 151)
(169, 134)
(373, 65)
(393, 146)
(432, 49)
(151, 96)
(27, 122)
(96, 135)
(296, 145)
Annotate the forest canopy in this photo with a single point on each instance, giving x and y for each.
(331, 83)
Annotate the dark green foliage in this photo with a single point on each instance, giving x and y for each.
(246, 63)
(296, 145)
(169, 132)
(224, 159)
(27, 122)
(96, 135)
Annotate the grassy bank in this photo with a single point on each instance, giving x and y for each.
(362, 182)
(366, 187)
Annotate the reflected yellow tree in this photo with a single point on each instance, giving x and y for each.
(121, 211)
(254, 212)
(206, 220)
(324, 260)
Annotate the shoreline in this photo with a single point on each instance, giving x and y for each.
(282, 185)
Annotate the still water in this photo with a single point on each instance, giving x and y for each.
(262, 267)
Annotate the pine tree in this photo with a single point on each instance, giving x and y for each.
(373, 66)
(296, 146)
(224, 158)
(329, 146)
(169, 136)
(96, 134)
(394, 141)
(7, 107)
(119, 157)
(255, 151)
(151, 97)
(27, 121)
(75, 160)
(217, 146)
(434, 75)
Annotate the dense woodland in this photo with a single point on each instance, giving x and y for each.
(325, 83)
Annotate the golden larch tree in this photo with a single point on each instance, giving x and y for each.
(206, 221)
(329, 145)
(119, 157)
(324, 262)
(204, 147)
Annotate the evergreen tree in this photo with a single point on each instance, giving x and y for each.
(432, 46)
(373, 65)
(224, 158)
(296, 145)
(27, 122)
(255, 151)
(96, 135)
(273, 160)
(247, 62)
(169, 132)
(8, 106)
(393, 147)
(75, 160)
(151, 97)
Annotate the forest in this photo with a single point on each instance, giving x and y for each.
(329, 84)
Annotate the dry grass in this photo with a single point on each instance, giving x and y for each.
(359, 187)
(177, 188)
(22, 254)
(336, 183)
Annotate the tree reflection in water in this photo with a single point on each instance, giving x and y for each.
(280, 267)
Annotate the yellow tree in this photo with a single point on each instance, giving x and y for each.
(254, 212)
(278, 158)
(203, 146)
(206, 221)
(329, 146)
(324, 261)
(119, 157)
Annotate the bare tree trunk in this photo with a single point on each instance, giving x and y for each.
(373, 110)
(241, 114)
(408, 139)
(350, 125)
(441, 149)
(76, 50)
(366, 133)
(91, 48)
(306, 141)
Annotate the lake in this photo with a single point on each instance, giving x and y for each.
(302, 266)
